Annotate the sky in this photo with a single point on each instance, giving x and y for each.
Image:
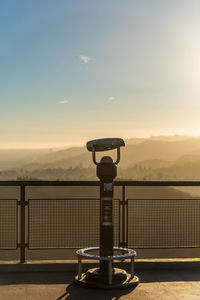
(74, 70)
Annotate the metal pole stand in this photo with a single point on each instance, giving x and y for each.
(106, 277)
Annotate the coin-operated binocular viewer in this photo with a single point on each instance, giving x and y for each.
(106, 276)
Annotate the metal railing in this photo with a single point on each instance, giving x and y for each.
(140, 222)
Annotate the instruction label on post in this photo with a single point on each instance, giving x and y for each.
(106, 211)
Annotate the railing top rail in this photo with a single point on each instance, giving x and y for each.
(47, 183)
(158, 183)
(95, 183)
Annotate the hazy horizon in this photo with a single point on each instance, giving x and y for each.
(66, 146)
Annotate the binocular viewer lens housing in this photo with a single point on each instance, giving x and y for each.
(105, 144)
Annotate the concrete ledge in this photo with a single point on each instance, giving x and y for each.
(71, 266)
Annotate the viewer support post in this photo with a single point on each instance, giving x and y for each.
(106, 276)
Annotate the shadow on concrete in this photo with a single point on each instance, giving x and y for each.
(145, 276)
(74, 292)
(36, 278)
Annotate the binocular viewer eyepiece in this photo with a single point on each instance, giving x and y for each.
(105, 145)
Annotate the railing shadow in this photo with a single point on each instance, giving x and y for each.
(66, 278)
(74, 292)
(69, 291)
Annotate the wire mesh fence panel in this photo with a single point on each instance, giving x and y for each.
(8, 223)
(163, 223)
(63, 223)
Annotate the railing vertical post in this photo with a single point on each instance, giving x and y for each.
(22, 225)
(123, 215)
(127, 223)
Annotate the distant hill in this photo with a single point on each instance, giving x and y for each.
(155, 158)
(153, 163)
(61, 155)
(188, 159)
(134, 141)
(173, 138)
(148, 150)
(10, 158)
(158, 150)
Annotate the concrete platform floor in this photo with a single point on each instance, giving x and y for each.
(154, 285)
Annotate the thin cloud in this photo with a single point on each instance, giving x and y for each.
(86, 59)
(111, 98)
(63, 101)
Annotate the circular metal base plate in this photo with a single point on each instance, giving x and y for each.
(120, 279)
